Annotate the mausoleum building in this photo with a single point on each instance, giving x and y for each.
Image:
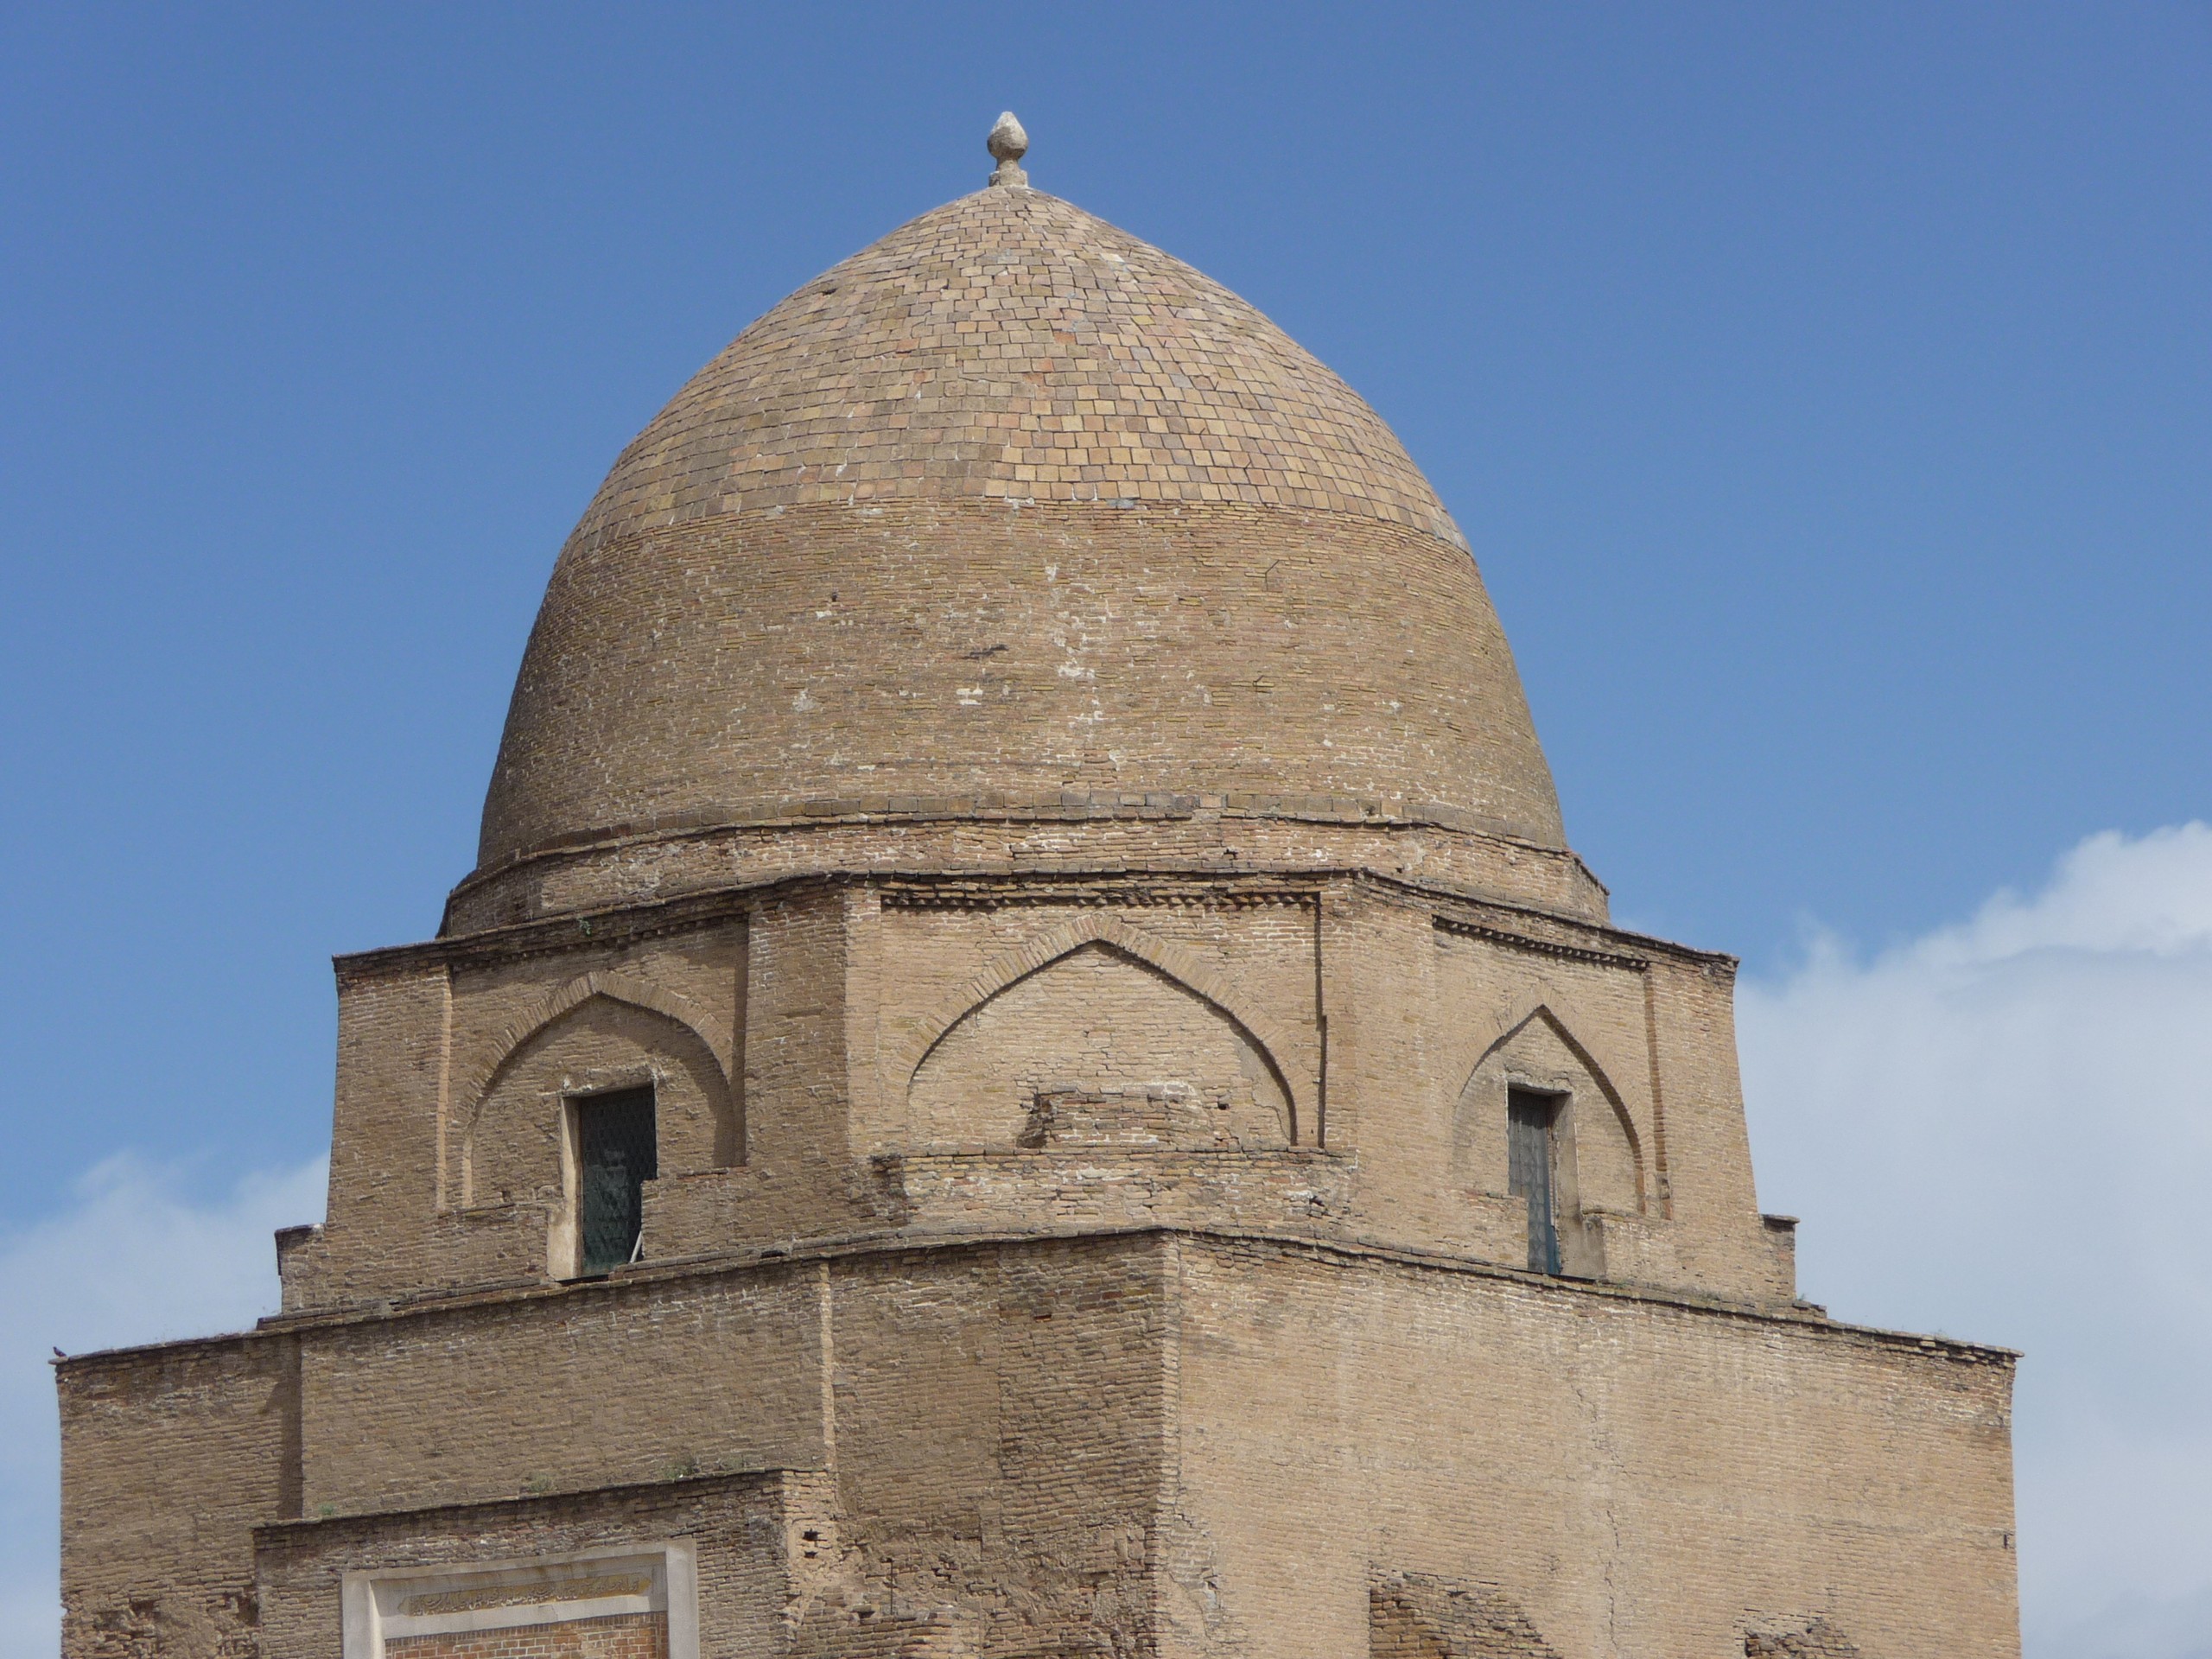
(1027, 1070)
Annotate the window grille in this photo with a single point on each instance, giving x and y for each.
(616, 1154)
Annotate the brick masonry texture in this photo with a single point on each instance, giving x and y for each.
(623, 1636)
(1638, 1476)
(1417, 1617)
(1019, 764)
(1010, 347)
(745, 1528)
(1154, 1442)
(868, 1057)
(923, 650)
(1818, 1640)
(1215, 835)
(1011, 502)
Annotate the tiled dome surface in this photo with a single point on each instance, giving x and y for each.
(1010, 346)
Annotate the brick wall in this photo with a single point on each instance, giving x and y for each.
(1096, 1443)
(1418, 1616)
(571, 1390)
(1075, 832)
(958, 648)
(1636, 1476)
(169, 1458)
(621, 1636)
(1000, 1416)
(745, 1531)
(817, 1060)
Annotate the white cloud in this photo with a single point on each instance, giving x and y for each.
(2004, 1131)
(132, 1260)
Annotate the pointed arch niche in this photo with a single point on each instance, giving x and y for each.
(596, 1034)
(1600, 1159)
(1095, 1034)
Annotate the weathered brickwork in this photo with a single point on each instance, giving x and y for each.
(1100, 1434)
(1215, 834)
(1818, 1640)
(1105, 371)
(1021, 766)
(864, 1057)
(427, 1409)
(169, 1458)
(621, 1636)
(1417, 1617)
(1113, 527)
(1006, 633)
(746, 1532)
(1633, 1472)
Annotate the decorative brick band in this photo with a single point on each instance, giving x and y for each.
(1059, 806)
(1541, 947)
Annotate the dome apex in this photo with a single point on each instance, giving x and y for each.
(1009, 346)
(1008, 143)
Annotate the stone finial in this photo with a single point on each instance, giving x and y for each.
(1008, 143)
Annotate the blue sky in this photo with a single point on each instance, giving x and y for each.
(1827, 392)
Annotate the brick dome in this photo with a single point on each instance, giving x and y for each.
(1010, 508)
